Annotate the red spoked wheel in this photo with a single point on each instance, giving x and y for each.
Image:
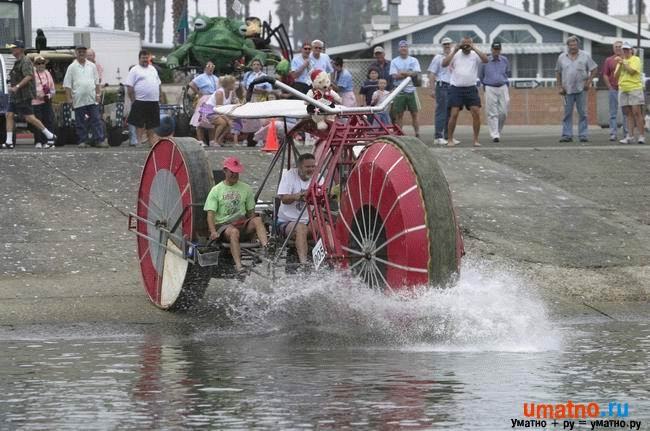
(175, 175)
(397, 225)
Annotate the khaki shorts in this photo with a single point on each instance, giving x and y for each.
(632, 98)
(406, 102)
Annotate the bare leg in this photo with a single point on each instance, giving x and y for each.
(10, 122)
(256, 225)
(140, 134)
(416, 125)
(200, 134)
(451, 127)
(630, 120)
(31, 119)
(232, 235)
(302, 233)
(638, 118)
(399, 118)
(476, 123)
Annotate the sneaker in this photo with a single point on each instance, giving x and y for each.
(50, 142)
(566, 139)
(625, 140)
(495, 140)
(440, 141)
(38, 146)
(584, 139)
(102, 144)
(82, 145)
(612, 138)
(641, 140)
(48, 145)
(8, 145)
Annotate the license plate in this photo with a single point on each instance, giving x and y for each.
(318, 253)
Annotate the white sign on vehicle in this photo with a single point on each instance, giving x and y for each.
(318, 253)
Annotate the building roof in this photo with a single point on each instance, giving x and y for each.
(420, 23)
(609, 19)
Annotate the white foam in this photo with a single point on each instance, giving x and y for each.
(488, 309)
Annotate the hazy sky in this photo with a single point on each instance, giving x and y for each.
(52, 13)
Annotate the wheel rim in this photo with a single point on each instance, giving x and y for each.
(164, 191)
(393, 235)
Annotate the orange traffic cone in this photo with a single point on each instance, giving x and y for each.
(271, 144)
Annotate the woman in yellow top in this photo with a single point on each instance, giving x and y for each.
(630, 93)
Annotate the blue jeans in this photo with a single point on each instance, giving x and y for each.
(613, 110)
(93, 119)
(442, 112)
(580, 100)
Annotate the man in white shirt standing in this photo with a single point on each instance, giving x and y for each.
(464, 62)
(143, 86)
(81, 83)
(439, 81)
(318, 59)
(291, 191)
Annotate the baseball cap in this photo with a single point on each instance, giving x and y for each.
(626, 45)
(446, 40)
(403, 44)
(233, 164)
(496, 45)
(377, 49)
(16, 44)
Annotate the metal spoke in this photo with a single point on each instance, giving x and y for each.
(381, 275)
(357, 263)
(372, 171)
(157, 211)
(381, 192)
(345, 223)
(353, 251)
(146, 251)
(390, 211)
(405, 268)
(401, 234)
(180, 199)
(363, 219)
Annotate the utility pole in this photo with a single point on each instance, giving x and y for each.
(638, 28)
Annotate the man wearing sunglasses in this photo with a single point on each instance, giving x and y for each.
(300, 67)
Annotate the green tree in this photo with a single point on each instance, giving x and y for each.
(72, 13)
(436, 7)
(118, 14)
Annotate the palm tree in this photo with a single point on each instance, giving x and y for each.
(72, 13)
(118, 14)
(160, 20)
(91, 13)
(436, 7)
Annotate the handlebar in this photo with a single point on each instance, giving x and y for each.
(338, 109)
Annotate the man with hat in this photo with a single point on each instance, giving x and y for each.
(231, 212)
(630, 93)
(383, 66)
(22, 90)
(81, 83)
(402, 67)
(439, 81)
(494, 77)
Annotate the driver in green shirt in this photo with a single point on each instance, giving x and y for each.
(231, 212)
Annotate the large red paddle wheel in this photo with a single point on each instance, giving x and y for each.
(175, 175)
(395, 226)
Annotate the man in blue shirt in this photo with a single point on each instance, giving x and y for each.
(439, 81)
(300, 68)
(342, 83)
(402, 67)
(494, 77)
(383, 66)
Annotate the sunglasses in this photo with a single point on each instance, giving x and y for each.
(306, 48)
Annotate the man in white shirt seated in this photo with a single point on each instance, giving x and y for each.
(291, 191)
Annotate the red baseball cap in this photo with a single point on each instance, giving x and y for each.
(233, 164)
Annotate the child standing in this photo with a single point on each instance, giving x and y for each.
(369, 87)
(378, 97)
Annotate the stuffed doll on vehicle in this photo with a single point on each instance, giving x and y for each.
(321, 90)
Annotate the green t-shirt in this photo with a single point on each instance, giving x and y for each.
(230, 203)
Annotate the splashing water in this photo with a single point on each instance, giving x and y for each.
(488, 309)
